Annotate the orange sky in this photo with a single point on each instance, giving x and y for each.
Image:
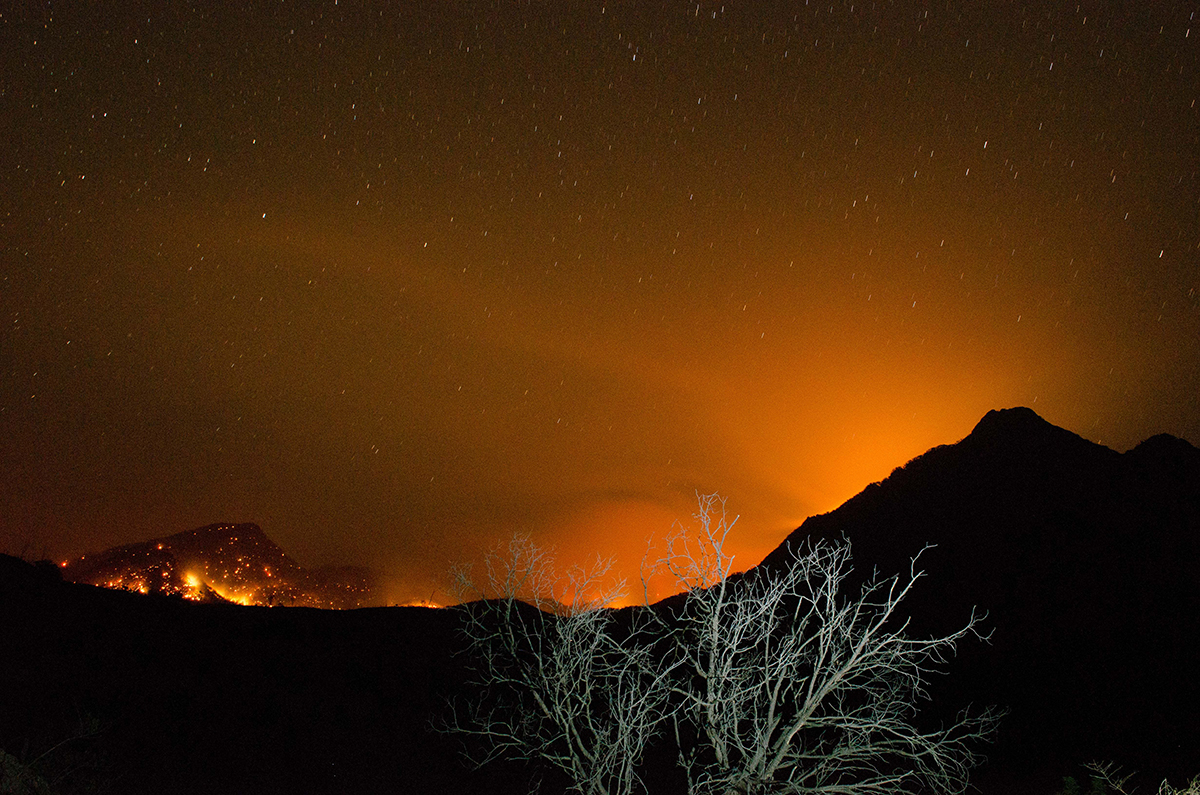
(396, 282)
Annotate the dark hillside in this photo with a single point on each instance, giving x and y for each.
(1088, 564)
(226, 698)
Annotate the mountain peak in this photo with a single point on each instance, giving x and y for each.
(1017, 421)
(1015, 417)
(1022, 431)
(230, 531)
(1165, 445)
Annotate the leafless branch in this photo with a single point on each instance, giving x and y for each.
(557, 679)
(774, 683)
(1111, 776)
(796, 688)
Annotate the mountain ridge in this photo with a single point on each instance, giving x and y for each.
(1076, 552)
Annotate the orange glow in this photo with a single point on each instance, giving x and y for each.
(420, 603)
(240, 598)
(191, 588)
(778, 254)
(625, 530)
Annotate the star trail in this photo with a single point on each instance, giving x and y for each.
(396, 280)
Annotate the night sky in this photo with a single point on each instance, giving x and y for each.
(395, 280)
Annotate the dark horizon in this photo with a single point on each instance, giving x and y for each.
(188, 557)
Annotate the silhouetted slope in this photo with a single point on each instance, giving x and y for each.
(203, 698)
(1088, 564)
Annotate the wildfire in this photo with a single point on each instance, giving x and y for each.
(231, 563)
(192, 587)
(420, 603)
(242, 598)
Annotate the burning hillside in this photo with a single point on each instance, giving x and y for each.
(222, 562)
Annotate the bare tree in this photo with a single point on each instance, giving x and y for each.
(774, 682)
(794, 688)
(1113, 779)
(560, 679)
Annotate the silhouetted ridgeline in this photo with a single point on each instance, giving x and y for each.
(1087, 562)
(1085, 559)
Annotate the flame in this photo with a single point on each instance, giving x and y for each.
(192, 587)
(233, 581)
(420, 603)
(242, 598)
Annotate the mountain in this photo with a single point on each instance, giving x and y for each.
(1087, 563)
(230, 562)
